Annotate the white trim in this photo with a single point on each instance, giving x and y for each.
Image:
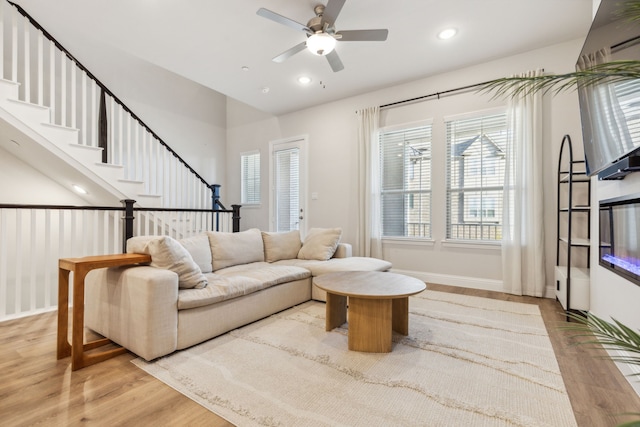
(494, 245)
(630, 371)
(448, 279)
(248, 153)
(409, 241)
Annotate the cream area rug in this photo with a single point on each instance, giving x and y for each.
(467, 361)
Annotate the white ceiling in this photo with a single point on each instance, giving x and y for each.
(209, 41)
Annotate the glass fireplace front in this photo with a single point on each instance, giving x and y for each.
(620, 236)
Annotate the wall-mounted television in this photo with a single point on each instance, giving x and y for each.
(610, 111)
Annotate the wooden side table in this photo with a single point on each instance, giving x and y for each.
(80, 268)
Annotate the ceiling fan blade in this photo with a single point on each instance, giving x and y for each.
(334, 61)
(363, 35)
(266, 13)
(289, 53)
(332, 10)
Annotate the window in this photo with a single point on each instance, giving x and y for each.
(405, 171)
(250, 178)
(475, 177)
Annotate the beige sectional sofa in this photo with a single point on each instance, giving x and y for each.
(203, 286)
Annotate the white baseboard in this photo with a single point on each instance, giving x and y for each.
(447, 279)
(464, 281)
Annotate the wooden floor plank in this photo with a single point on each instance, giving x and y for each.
(37, 389)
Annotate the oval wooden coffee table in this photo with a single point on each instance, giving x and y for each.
(378, 305)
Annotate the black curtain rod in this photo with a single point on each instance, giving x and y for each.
(435, 94)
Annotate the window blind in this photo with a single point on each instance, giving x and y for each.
(475, 177)
(287, 189)
(250, 178)
(405, 182)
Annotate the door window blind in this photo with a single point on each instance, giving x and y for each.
(287, 189)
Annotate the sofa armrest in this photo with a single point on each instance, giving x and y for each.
(343, 250)
(136, 307)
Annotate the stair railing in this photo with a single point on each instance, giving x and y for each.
(34, 237)
(50, 76)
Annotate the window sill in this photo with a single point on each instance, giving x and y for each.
(251, 206)
(424, 241)
(473, 244)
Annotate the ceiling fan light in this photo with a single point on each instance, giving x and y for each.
(321, 44)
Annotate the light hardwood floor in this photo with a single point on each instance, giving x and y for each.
(37, 389)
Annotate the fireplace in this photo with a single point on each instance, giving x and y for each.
(620, 236)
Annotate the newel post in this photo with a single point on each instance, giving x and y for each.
(127, 229)
(236, 217)
(215, 196)
(102, 127)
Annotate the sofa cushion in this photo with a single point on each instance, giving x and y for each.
(228, 249)
(268, 274)
(320, 243)
(168, 254)
(339, 264)
(279, 246)
(199, 249)
(219, 288)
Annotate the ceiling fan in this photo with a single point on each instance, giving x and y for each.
(322, 34)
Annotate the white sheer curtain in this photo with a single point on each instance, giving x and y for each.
(368, 237)
(523, 258)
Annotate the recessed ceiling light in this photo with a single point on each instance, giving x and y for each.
(79, 189)
(447, 33)
(265, 89)
(304, 80)
(245, 68)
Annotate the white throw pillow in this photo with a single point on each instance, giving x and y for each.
(320, 243)
(198, 247)
(278, 246)
(167, 253)
(228, 249)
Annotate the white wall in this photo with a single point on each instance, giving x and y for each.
(189, 117)
(331, 130)
(22, 184)
(612, 296)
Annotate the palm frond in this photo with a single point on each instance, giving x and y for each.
(609, 335)
(629, 11)
(514, 87)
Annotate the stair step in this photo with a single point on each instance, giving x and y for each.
(9, 89)
(86, 154)
(31, 114)
(60, 135)
(110, 172)
(131, 181)
(150, 200)
(128, 186)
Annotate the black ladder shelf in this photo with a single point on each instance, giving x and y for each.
(574, 207)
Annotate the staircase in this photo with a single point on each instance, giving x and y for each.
(58, 118)
(67, 123)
